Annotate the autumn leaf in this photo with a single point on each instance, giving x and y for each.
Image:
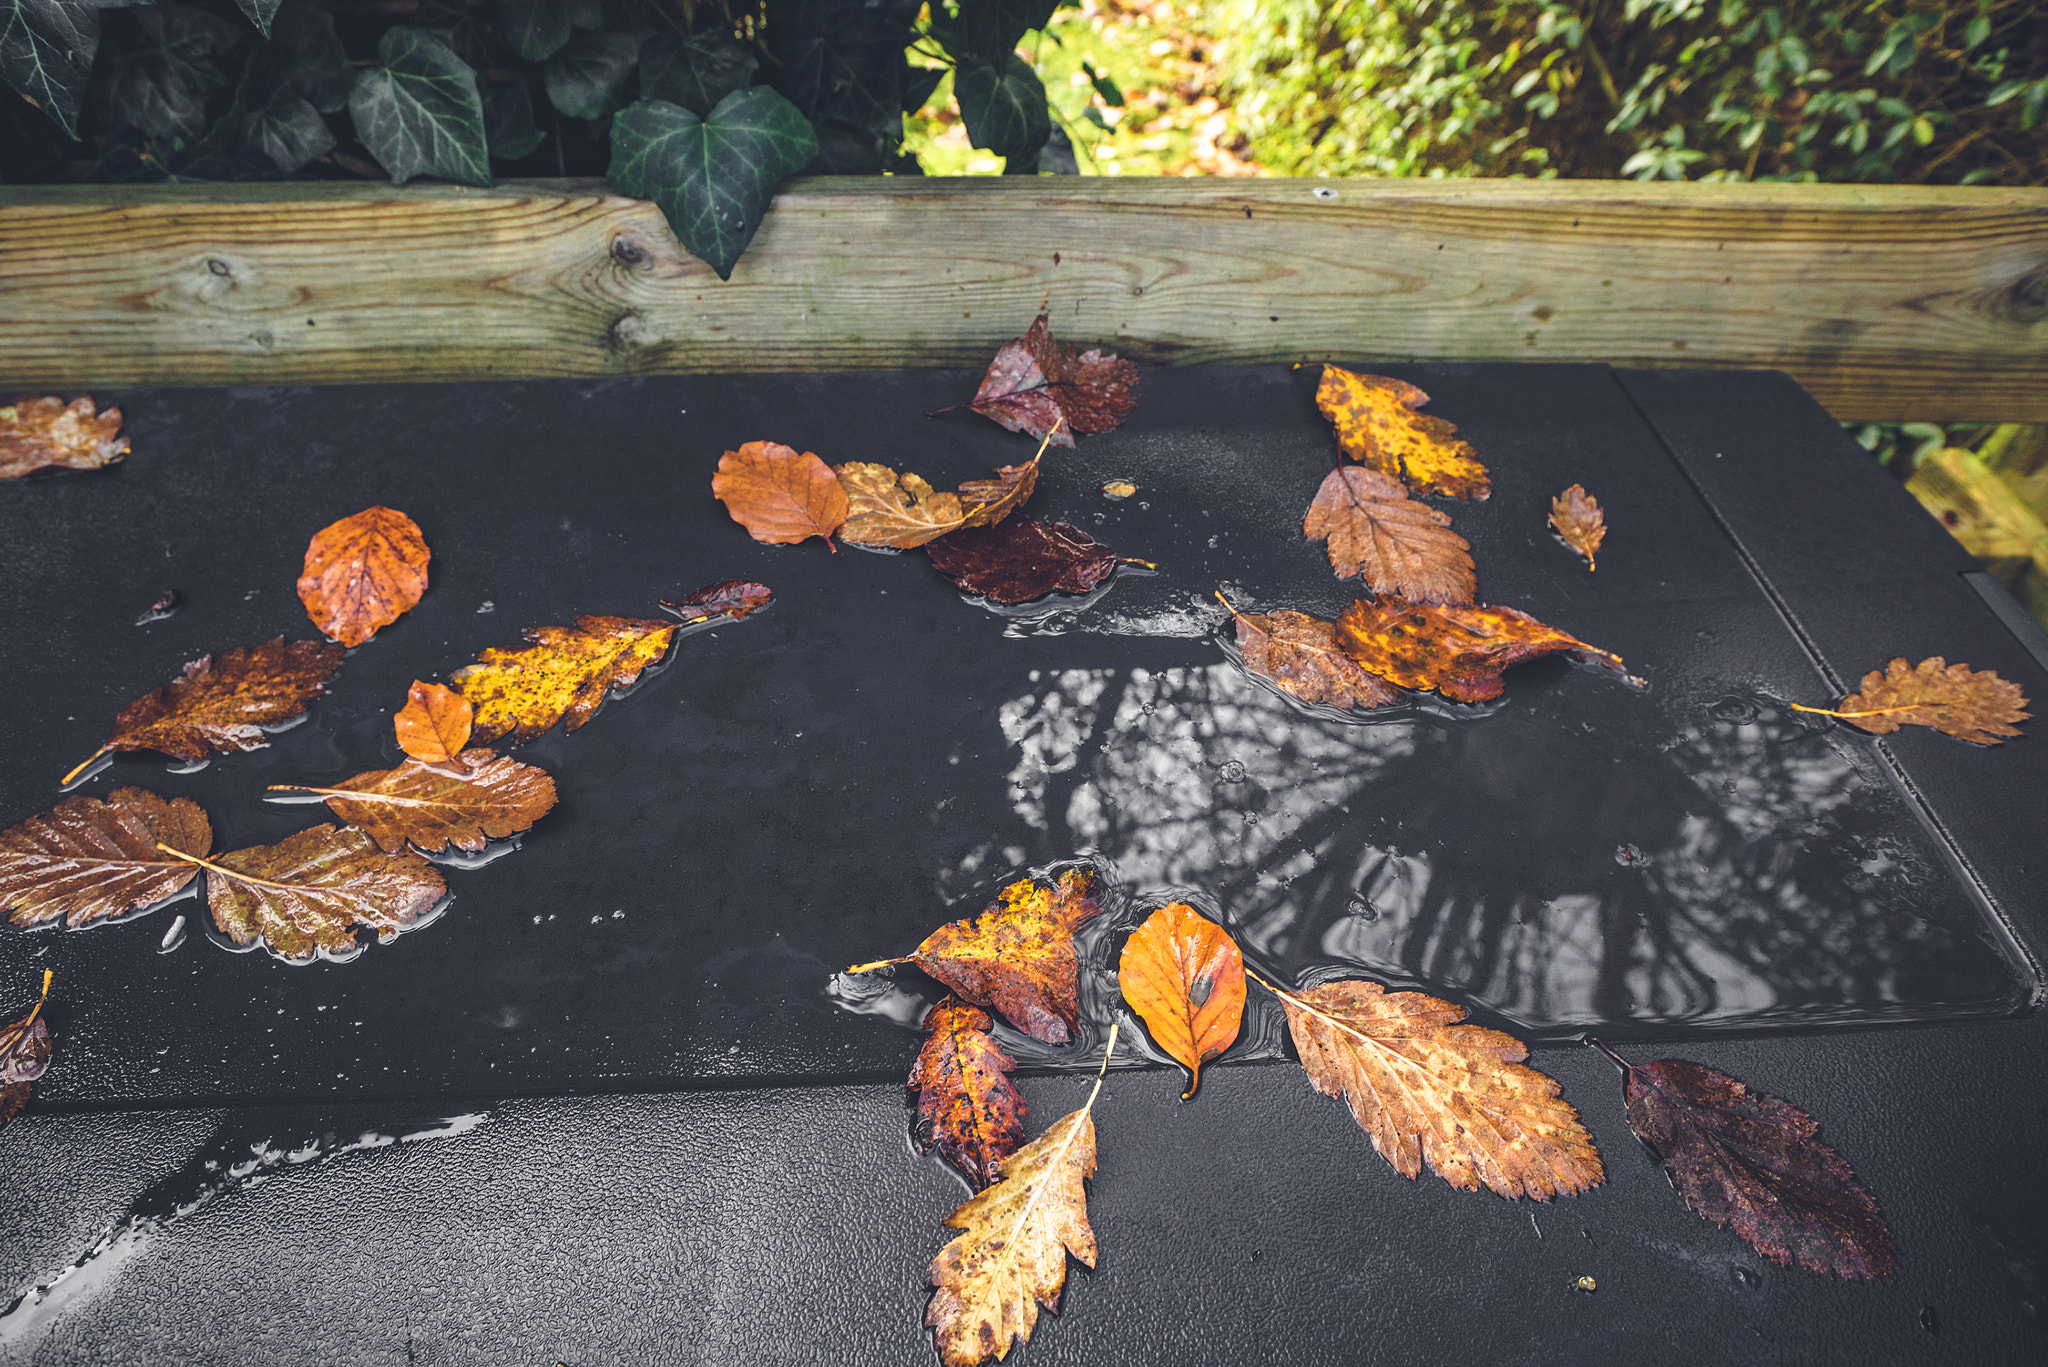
(566, 672)
(1300, 655)
(730, 598)
(219, 706)
(47, 434)
(989, 501)
(1043, 388)
(966, 1104)
(1459, 651)
(1971, 705)
(1012, 1257)
(1021, 560)
(1576, 518)
(363, 573)
(305, 894)
(434, 724)
(1184, 976)
(1755, 1164)
(1377, 424)
(778, 495)
(87, 860)
(1398, 545)
(25, 1048)
(166, 605)
(1017, 956)
(495, 796)
(899, 511)
(1428, 1089)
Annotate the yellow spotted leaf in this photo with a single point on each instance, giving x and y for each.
(1377, 424)
(566, 673)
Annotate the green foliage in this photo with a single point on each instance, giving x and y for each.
(419, 113)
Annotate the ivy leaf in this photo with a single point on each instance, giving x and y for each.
(713, 177)
(1003, 107)
(1576, 518)
(1050, 390)
(536, 29)
(46, 54)
(1458, 650)
(566, 673)
(1377, 425)
(1022, 560)
(288, 130)
(158, 81)
(25, 1049)
(695, 72)
(1397, 545)
(427, 806)
(897, 511)
(1300, 655)
(47, 434)
(780, 495)
(419, 113)
(260, 13)
(304, 55)
(1184, 976)
(1972, 705)
(509, 129)
(434, 724)
(363, 573)
(919, 84)
(966, 1104)
(586, 78)
(87, 860)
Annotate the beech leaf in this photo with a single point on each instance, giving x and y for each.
(567, 672)
(434, 724)
(25, 1049)
(1301, 657)
(1046, 389)
(1184, 976)
(1576, 518)
(888, 509)
(87, 860)
(429, 807)
(48, 434)
(778, 495)
(1020, 560)
(1460, 651)
(363, 573)
(1396, 544)
(966, 1104)
(1971, 705)
(1377, 425)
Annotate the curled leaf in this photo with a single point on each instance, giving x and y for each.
(491, 797)
(1460, 651)
(87, 860)
(1300, 654)
(566, 673)
(1184, 976)
(434, 724)
(47, 434)
(778, 495)
(304, 895)
(1576, 518)
(966, 1104)
(25, 1049)
(1377, 425)
(733, 598)
(988, 501)
(1041, 387)
(1972, 705)
(888, 509)
(363, 573)
(1021, 560)
(1397, 545)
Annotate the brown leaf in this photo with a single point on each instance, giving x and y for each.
(1021, 560)
(25, 1049)
(1377, 424)
(780, 496)
(433, 809)
(988, 501)
(1751, 1163)
(46, 434)
(87, 860)
(1971, 705)
(733, 598)
(888, 509)
(966, 1104)
(1429, 1089)
(1299, 653)
(566, 672)
(1458, 651)
(1046, 389)
(1576, 517)
(363, 573)
(434, 724)
(1398, 545)
(304, 895)
(1184, 976)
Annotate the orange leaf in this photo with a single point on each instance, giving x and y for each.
(966, 1104)
(45, 434)
(1184, 976)
(1576, 517)
(433, 726)
(431, 809)
(363, 573)
(1377, 424)
(1299, 653)
(779, 496)
(1971, 705)
(1458, 651)
(898, 511)
(989, 501)
(1398, 545)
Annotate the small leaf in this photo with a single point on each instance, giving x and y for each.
(1184, 976)
(363, 573)
(1576, 517)
(217, 707)
(780, 496)
(1397, 545)
(1972, 705)
(1377, 424)
(305, 56)
(87, 860)
(1119, 489)
(966, 1104)
(25, 1049)
(695, 72)
(586, 78)
(288, 130)
(1460, 651)
(46, 54)
(47, 434)
(430, 808)
(988, 501)
(888, 509)
(304, 895)
(1300, 655)
(730, 598)
(1020, 560)
(1003, 107)
(1043, 388)
(566, 673)
(419, 113)
(434, 725)
(509, 129)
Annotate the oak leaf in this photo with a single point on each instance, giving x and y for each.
(1755, 1164)
(566, 673)
(493, 797)
(778, 495)
(899, 511)
(988, 501)
(730, 598)
(1459, 651)
(1047, 389)
(1021, 560)
(1428, 1089)
(363, 573)
(434, 725)
(1972, 705)
(1377, 424)
(1184, 976)
(1300, 655)
(1396, 544)
(1576, 518)
(47, 434)
(87, 860)
(25, 1049)
(966, 1104)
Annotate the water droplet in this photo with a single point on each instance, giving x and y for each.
(1737, 710)
(1360, 909)
(173, 937)
(1747, 1278)
(1928, 1320)
(1630, 856)
(1231, 772)
(488, 606)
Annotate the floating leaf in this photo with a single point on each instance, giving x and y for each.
(1300, 654)
(1184, 976)
(888, 509)
(966, 1104)
(1119, 489)
(1041, 387)
(432, 808)
(1459, 651)
(989, 501)
(1576, 517)
(167, 603)
(1429, 1089)
(1971, 705)
(47, 434)
(566, 673)
(780, 496)
(733, 598)
(87, 860)
(1396, 544)
(434, 724)
(1377, 425)
(363, 573)
(25, 1048)
(1021, 560)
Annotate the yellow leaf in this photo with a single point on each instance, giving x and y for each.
(888, 509)
(1377, 425)
(566, 672)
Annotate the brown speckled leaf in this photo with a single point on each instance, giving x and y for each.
(566, 673)
(47, 434)
(1576, 518)
(1378, 533)
(966, 1104)
(733, 598)
(305, 895)
(433, 807)
(779, 495)
(1184, 976)
(363, 573)
(1459, 651)
(1300, 654)
(1021, 560)
(225, 703)
(1041, 387)
(988, 501)
(898, 511)
(87, 860)
(1377, 424)
(1972, 705)
(434, 725)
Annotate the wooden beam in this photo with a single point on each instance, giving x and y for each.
(1886, 302)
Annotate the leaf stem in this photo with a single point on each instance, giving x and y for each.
(349, 793)
(20, 1032)
(1108, 1048)
(65, 781)
(209, 865)
(1871, 712)
(1623, 1063)
(881, 963)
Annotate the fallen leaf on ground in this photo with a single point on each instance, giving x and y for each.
(1300, 655)
(1377, 425)
(730, 598)
(1971, 705)
(87, 860)
(305, 894)
(223, 704)
(1119, 489)
(1044, 388)
(899, 511)
(1021, 560)
(434, 724)
(1017, 956)
(988, 501)
(1576, 517)
(778, 495)
(1754, 1164)
(363, 573)
(566, 672)
(1428, 1089)
(432, 808)
(47, 434)
(1184, 976)
(1397, 545)
(966, 1104)
(1459, 651)
(25, 1048)
(165, 605)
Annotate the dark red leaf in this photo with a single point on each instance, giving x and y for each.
(1044, 388)
(733, 598)
(1019, 559)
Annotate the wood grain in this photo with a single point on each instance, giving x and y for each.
(1886, 302)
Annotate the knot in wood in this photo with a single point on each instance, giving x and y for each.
(218, 266)
(629, 252)
(2027, 300)
(624, 331)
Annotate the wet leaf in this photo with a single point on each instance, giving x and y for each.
(1119, 489)
(888, 509)
(1428, 1089)
(966, 1104)
(167, 603)
(1041, 387)
(434, 724)
(433, 808)
(1576, 517)
(1021, 560)
(779, 495)
(1300, 654)
(1460, 651)
(1754, 1164)
(363, 573)
(733, 598)
(1184, 976)
(989, 501)
(1377, 425)
(1396, 544)
(48, 434)
(25, 1049)
(566, 673)
(87, 860)
(1971, 705)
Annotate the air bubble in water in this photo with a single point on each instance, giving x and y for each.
(173, 937)
(1231, 772)
(1630, 856)
(1737, 710)
(1360, 909)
